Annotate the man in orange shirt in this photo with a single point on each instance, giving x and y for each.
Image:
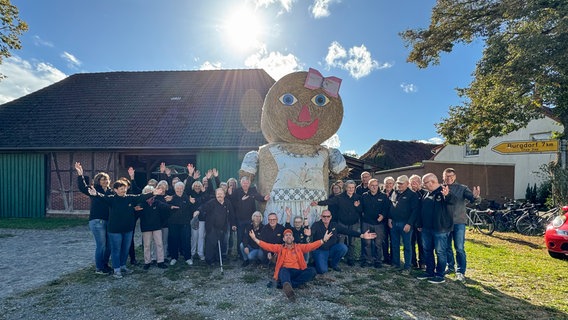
(291, 268)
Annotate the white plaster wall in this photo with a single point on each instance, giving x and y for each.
(527, 166)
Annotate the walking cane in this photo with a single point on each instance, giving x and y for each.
(220, 256)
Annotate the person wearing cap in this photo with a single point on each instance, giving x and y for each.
(291, 267)
(402, 217)
(333, 249)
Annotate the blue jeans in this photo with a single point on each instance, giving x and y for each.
(438, 242)
(254, 254)
(119, 246)
(102, 252)
(296, 277)
(334, 254)
(396, 233)
(458, 237)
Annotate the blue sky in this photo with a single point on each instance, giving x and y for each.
(384, 97)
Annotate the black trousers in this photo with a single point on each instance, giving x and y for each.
(211, 245)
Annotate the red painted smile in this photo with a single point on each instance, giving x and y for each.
(303, 132)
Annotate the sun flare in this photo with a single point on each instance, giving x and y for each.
(243, 29)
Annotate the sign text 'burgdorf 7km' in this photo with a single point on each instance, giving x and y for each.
(530, 146)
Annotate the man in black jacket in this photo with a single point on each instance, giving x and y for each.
(349, 205)
(218, 212)
(333, 249)
(435, 222)
(402, 217)
(376, 206)
(244, 202)
(416, 240)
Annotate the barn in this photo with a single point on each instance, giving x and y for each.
(112, 120)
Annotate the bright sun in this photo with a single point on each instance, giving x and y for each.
(243, 29)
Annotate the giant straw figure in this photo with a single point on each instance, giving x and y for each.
(300, 111)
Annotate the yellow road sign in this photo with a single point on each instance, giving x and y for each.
(529, 146)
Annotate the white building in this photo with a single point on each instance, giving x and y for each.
(527, 166)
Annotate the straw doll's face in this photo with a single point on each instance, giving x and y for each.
(294, 113)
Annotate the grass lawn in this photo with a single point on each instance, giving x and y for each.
(42, 223)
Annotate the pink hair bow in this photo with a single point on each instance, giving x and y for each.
(315, 80)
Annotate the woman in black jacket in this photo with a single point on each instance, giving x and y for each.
(120, 222)
(98, 216)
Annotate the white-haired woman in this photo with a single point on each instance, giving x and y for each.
(151, 227)
(249, 248)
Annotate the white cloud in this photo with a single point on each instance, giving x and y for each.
(434, 140)
(335, 53)
(409, 87)
(210, 66)
(285, 4)
(275, 63)
(320, 8)
(356, 60)
(72, 61)
(332, 142)
(42, 43)
(24, 77)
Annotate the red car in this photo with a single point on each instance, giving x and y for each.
(556, 236)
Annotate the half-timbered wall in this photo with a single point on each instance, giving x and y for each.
(64, 194)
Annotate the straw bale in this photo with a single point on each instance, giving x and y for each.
(275, 115)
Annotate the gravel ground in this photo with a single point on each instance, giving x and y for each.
(30, 258)
(50, 275)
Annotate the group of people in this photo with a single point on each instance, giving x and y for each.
(206, 219)
(427, 217)
(166, 209)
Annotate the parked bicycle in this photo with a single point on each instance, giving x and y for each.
(481, 220)
(533, 223)
(506, 218)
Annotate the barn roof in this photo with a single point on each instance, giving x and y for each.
(216, 109)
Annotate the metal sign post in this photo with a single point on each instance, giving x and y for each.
(563, 153)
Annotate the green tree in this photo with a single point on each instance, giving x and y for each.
(528, 192)
(11, 28)
(522, 72)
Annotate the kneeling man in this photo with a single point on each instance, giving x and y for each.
(291, 267)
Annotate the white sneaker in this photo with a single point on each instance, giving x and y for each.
(126, 270)
(117, 275)
(202, 258)
(173, 262)
(460, 277)
(189, 261)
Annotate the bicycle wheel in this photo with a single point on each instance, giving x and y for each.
(484, 223)
(530, 225)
